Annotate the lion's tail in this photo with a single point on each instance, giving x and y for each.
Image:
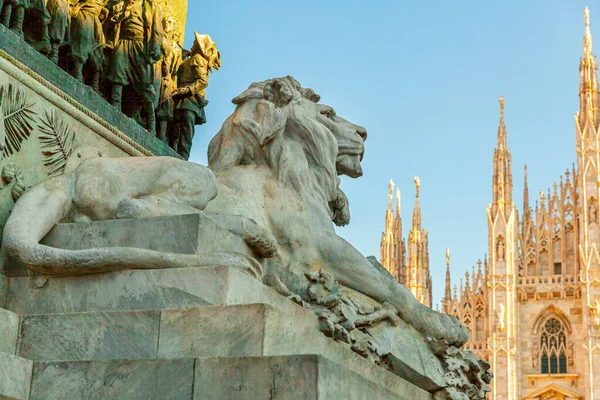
(45, 205)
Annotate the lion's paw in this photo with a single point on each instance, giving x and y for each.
(261, 241)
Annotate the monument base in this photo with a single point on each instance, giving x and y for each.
(164, 338)
(202, 332)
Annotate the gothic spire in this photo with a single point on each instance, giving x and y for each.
(502, 179)
(588, 78)
(418, 278)
(388, 239)
(448, 292)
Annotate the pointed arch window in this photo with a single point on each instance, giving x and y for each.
(553, 347)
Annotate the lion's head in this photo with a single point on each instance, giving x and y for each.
(280, 125)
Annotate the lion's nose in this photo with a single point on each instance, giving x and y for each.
(362, 132)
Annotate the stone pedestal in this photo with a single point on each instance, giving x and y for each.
(143, 333)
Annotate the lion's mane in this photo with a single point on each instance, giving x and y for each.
(274, 125)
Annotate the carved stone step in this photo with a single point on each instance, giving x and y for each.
(218, 378)
(213, 331)
(137, 290)
(245, 330)
(15, 377)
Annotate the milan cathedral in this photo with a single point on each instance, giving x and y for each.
(533, 306)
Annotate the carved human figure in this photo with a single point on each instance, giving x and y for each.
(170, 63)
(500, 250)
(593, 212)
(595, 314)
(13, 15)
(500, 318)
(58, 26)
(190, 96)
(138, 40)
(87, 39)
(535, 356)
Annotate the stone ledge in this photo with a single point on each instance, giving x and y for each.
(137, 290)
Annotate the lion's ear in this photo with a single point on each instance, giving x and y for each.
(278, 92)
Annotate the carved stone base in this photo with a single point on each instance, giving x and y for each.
(218, 378)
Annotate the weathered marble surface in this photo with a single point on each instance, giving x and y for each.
(137, 379)
(9, 331)
(216, 378)
(15, 377)
(89, 336)
(291, 377)
(251, 330)
(137, 290)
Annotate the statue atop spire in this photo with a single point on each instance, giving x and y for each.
(417, 210)
(587, 38)
(501, 127)
(418, 184)
(588, 79)
(390, 193)
(398, 201)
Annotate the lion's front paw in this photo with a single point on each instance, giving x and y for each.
(261, 241)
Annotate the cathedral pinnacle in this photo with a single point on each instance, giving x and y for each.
(398, 202)
(502, 179)
(448, 293)
(525, 192)
(588, 79)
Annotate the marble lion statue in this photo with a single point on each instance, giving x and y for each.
(273, 179)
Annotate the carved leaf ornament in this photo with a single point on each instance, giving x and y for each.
(17, 119)
(56, 142)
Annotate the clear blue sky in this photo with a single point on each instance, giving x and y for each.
(424, 78)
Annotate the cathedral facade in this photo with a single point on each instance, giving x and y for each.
(533, 306)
